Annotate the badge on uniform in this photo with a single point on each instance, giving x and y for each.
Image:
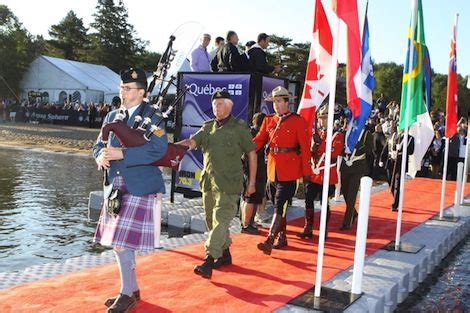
(159, 132)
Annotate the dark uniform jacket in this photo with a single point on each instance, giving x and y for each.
(229, 59)
(363, 156)
(259, 62)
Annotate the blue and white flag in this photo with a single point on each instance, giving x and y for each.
(356, 125)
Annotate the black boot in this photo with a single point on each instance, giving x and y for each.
(225, 259)
(328, 215)
(308, 227)
(267, 245)
(282, 239)
(205, 269)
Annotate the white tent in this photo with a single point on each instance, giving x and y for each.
(59, 79)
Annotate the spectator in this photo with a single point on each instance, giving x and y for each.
(381, 103)
(436, 149)
(219, 43)
(258, 57)
(229, 58)
(246, 56)
(92, 112)
(255, 200)
(200, 59)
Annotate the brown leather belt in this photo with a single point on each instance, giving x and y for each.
(282, 149)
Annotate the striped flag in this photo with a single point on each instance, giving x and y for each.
(419, 121)
(346, 10)
(451, 107)
(317, 80)
(368, 85)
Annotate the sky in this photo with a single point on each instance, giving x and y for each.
(154, 21)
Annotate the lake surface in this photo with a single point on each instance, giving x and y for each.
(43, 207)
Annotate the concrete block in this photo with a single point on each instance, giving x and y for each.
(423, 269)
(95, 203)
(182, 218)
(198, 223)
(431, 261)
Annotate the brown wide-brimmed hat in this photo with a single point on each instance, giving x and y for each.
(279, 92)
(323, 111)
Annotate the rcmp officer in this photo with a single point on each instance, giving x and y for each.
(354, 166)
(128, 169)
(315, 187)
(285, 137)
(223, 141)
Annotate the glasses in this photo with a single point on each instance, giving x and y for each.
(127, 89)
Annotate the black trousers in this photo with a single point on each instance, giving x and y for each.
(350, 183)
(279, 192)
(312, 191)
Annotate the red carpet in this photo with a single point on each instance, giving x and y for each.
(255, 283)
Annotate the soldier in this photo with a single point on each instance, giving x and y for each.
(355, 165)
(315, 188)
(223, 141)
(285, 137)
(396, 174)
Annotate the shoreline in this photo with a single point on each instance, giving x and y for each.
(17, 145)
(48, 138)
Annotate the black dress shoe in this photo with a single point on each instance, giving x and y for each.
(109, 302)
(205, 269)
(250, 229)
(225, 259)
(122, 304)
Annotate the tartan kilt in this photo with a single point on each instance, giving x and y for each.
(133, 228)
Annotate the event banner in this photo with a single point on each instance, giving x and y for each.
(197, 108)
(267, 85)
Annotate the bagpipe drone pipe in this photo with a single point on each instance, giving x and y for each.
(142, 129)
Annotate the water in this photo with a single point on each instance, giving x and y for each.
(43, 207)
(447, 289)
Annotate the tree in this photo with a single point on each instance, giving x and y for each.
(69, 37)
(19, 48)
(388, 77)
(114, 44)
(147, 60)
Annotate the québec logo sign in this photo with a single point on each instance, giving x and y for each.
(209, 90)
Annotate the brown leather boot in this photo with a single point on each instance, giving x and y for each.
(267, 245)
(308, 227)
(282, 239)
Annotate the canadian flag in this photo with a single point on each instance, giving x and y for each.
(317, 83)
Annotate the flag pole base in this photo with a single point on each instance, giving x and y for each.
(330, 300)
(403, 247)
(451, 219)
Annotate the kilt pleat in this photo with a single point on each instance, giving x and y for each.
(133, 228)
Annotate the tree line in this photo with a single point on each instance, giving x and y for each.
(112, 41)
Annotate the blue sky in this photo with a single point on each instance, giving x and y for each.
(388, 21)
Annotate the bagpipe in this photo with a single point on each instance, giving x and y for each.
(142, 129)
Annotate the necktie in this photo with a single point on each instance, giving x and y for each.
(126, 118)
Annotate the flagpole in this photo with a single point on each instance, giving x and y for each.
(414, 7)
(444, 177)
(326, 172)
